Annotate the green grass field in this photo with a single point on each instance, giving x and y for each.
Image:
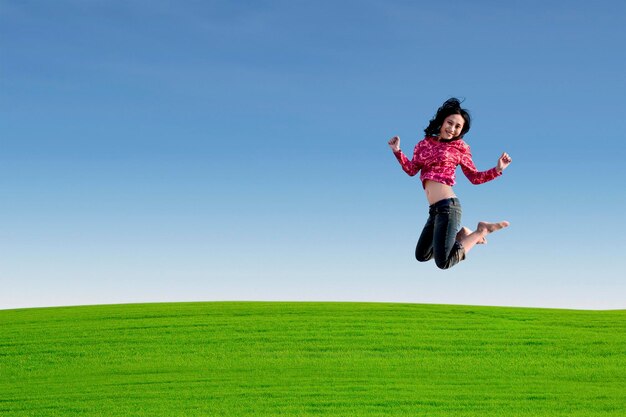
(311, 359)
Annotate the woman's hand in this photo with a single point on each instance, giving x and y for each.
(394, 143)
(503, 162)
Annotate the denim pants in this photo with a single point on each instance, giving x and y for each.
(438, 239)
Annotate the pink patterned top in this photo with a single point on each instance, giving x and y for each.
(438, 160)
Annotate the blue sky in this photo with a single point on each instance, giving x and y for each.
(188, 150)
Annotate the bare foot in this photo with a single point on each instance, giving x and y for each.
(486, 228)
(465, 232)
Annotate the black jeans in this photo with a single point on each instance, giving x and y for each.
(438, 239)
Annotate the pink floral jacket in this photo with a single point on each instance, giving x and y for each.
(438, 160)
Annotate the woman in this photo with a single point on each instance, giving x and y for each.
(437, 156)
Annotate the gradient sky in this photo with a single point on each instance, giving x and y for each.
(236, 150)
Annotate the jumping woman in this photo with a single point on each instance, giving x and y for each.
(437, 156)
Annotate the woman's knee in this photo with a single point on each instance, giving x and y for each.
(423, 257)
(443, 263)
(448, 262)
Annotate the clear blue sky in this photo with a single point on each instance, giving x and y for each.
(236, 150)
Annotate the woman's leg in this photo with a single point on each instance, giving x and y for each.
(424, 248)
(478, 236)
(464, 232)
(447, 251)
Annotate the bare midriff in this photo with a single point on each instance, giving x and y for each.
(436, 191)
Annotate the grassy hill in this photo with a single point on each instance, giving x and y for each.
(311, 359)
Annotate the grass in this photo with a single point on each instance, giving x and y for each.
(311, 359)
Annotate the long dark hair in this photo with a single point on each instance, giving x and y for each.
(451, 106)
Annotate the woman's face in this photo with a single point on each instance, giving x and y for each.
(451, 127)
